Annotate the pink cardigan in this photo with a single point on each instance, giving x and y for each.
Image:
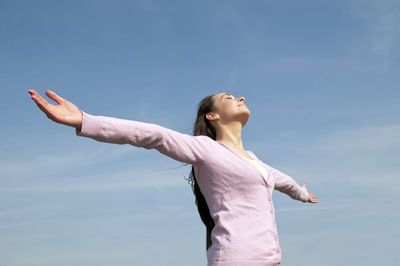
(239, 198)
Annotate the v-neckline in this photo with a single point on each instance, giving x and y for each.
(237, 154)
(254, 162)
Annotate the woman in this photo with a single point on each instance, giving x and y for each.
(232, 186)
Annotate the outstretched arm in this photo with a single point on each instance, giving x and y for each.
(289, 186)
(182, 147)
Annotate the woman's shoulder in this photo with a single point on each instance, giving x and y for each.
(205, 139)
(206, 142)
(252, 153)
(255, 157)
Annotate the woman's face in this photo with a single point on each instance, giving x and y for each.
(229, 108)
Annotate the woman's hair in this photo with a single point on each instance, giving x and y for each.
(202, 126)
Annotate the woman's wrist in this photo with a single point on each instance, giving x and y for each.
(80, 120)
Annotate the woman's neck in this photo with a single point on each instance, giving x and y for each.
(231, 135)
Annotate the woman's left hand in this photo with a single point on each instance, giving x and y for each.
(311, 197)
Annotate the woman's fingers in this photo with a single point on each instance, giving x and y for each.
(42, 103)
(37, 98)
(44, 107)
(52, 95)
(312, 198)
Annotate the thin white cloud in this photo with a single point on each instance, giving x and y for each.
(366, 139)
(373, 138)
(386, 31)
(364, 157)
(385, 34)
(382, 18)
(339, 204)
(114, 250)
(50, 163)
(121, 180)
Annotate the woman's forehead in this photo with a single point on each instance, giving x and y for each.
(217, 97)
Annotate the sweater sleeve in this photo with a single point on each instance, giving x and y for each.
(178, 146)
(289, 186)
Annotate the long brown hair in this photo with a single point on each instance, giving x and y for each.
(202, 126)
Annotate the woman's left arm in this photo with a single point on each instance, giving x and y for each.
(289, 186)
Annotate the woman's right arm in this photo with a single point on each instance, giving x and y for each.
(182, 147)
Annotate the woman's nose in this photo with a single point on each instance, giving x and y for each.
(241, 99)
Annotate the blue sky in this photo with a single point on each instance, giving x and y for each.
(319, 77)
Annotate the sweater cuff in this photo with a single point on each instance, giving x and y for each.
(89, 125)
(304, 195)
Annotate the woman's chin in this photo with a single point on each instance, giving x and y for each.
(244, 118)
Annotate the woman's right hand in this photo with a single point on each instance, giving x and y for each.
(65, 112)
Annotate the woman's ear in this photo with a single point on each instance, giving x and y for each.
(211, 116)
